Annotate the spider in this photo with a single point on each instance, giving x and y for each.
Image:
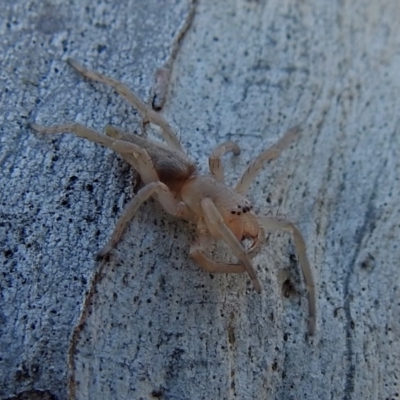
(219, 211)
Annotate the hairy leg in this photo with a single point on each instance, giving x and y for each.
(270, 154)
(143, 161)
(216, 224)
(78, 129)
(214, 161)
(89, 134)
(197, 253)
(146, 112)
(274, 223)
(154, 188)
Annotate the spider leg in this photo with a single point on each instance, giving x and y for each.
(153, 188)
(143, 161)
(119, 134)
(148, 173)
(214, 161)
(197, 253)
(89, 134)
(78, 129)
(146, 112)
(216, 224)
(270, 154)
(272, 224)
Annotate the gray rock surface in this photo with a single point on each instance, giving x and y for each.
(149, 323)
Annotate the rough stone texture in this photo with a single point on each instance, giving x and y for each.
(149, 323)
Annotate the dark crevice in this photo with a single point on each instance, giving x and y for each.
(368, 226)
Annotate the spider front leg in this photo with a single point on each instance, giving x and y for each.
(214, 161)
(197, 253)
(146, 112)
(217, 227)
(270, 154)
(154, 188)
(272, 224)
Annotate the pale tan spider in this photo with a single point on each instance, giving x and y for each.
(169, 176)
